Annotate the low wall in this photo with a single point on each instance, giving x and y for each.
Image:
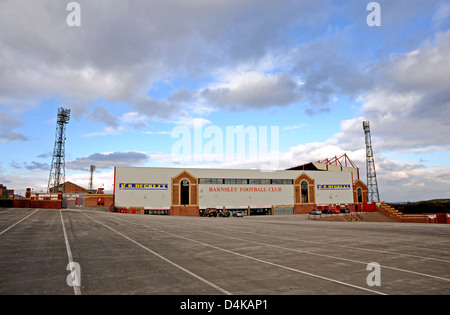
(304, 208)
(46, 204)
(26, 203)
(185, 211)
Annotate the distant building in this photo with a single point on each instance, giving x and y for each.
(69, 187)
(77, 196)
(6, 193)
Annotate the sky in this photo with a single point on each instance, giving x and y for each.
(166, 83)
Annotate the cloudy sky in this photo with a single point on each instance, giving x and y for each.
(143, 77)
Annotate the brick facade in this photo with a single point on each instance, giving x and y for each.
(300, 206)
(98, 200)
(191, 208)
(358, 184)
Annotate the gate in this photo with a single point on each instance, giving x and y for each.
(74, 200)
(277, 210)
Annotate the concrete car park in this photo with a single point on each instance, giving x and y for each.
(90, 252)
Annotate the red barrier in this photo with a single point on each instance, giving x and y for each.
(441, 218)
(369, 207)
(438, 218)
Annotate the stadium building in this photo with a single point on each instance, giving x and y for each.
(331, 183)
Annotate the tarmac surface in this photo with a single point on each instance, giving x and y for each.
(91, 252)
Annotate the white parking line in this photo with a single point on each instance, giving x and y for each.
(18, 222)
(334, 257)
(353, 247)
(76, 288)
(260, 260)
(163, 258)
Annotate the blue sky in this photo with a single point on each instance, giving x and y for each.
(136, 70)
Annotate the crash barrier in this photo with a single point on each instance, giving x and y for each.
(352, 216)
(140, 211)
(156, 211)
(360, 207)
(323, 215)
(313, 216)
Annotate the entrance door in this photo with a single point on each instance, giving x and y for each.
(64, 201)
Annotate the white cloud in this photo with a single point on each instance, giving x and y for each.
(158, 132)
(424, 69)
(442, 14)
(300, 126)
(254, 90)
(410, 105)
(192, 122)
(7, 123)
(107, 131)
(235, 55)
(101, 179)
(107, 160)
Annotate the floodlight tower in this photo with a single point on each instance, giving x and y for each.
(372, 186)
(58, 167)
(91, 178)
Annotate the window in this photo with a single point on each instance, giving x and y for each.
(282, 181)
(304, 191)
(216, 180)
(235, 181)
(244, 181)
(359, 192)
(184, 192)
(210, 181)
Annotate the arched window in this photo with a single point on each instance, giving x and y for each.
(304, 191)
(359, 192)
(184, 192)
